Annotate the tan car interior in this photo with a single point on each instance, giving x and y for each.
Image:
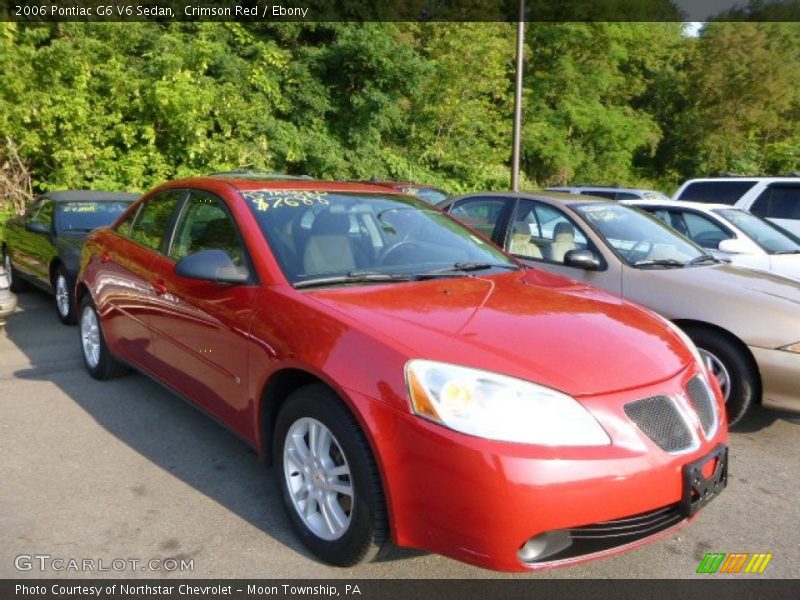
(524, 244)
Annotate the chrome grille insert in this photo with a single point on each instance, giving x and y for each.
(702, 400)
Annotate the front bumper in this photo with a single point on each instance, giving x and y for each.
(480, 501)
(780, 378)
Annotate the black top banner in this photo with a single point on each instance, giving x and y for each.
(397, 10)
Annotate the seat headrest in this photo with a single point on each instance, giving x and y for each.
(521, 227)
(565, 229)
(331, 223)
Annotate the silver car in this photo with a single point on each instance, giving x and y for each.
(8, 301)
(744, 322)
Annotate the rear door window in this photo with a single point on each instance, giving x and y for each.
(154, 219)
(482, 214)
(716, 192)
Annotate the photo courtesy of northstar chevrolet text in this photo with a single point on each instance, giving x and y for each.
(374, 295)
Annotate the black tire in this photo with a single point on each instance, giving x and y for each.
(107, 366)
(745, 384)
(17, 284)
(367, 530)
(68, 318)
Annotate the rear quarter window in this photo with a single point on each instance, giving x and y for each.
(716, 192)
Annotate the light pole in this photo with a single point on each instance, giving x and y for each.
(518, 98)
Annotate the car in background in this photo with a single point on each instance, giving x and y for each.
(430, 194)
(43, 246)
(773, 198)
(369, 346)
(8, 300)
(744, 322)
(610, 193)
(747, 240)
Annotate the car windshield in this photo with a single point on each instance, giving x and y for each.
(655, 196)
(770, 237)
(430, 195)
(81, 216)
(320, 237)
(639, 239)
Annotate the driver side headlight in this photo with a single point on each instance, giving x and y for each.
(498, 407)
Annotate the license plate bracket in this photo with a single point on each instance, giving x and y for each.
(699, 490)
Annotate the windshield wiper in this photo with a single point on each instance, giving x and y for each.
(660, 262)
(354, 277)
(464, 267)
(787, 252)
(703, 258)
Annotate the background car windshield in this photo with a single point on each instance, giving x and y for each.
(322, 234)
(83, 216)
(636, 236)
(770, 237)
(431, 195)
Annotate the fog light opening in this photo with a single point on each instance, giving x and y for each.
(543, 545)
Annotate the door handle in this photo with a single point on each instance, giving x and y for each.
(159, 288)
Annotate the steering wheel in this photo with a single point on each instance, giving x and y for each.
(633, 251)
(393, 248)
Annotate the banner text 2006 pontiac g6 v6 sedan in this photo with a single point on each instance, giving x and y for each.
(408, 380)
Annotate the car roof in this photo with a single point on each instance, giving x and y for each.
(603, 188)
(563, 198)
(254, 183)
(759, 178)
(701, 206)
(90, 196)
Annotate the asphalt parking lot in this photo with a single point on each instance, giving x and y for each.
(124, 469)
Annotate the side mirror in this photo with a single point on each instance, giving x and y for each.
(582, 259)
(734, 246)
(212, 265)
(37, 227)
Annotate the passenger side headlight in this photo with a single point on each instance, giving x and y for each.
(498, 407)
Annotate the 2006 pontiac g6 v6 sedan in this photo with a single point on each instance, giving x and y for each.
(408, 380)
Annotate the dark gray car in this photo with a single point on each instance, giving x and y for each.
(43, 246)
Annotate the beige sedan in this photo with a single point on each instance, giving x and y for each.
(745, 323)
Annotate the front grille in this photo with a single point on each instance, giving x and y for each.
(659, 419)
(605, 535)
(703, 402)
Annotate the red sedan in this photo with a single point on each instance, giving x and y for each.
(407, 379)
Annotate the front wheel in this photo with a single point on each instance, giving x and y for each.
(15, 284)
(328, 478)
(96, 356)
(733, 370)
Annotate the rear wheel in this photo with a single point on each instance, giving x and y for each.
(15, 283)
(96, 356)
(65, 296)
(328, 478)
(731, 366)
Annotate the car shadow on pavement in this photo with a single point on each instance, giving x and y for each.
(760, 418)
(157, 424)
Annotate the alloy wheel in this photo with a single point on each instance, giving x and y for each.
(62, 295)
(318, 478)
(719, 370)
(90, 337)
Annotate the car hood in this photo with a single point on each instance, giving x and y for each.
(528, 324)
(758, 307)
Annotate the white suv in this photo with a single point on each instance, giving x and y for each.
(774, 198)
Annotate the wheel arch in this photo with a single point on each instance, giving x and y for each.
(280, 385)
(732, 338)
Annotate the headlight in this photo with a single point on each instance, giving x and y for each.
(498, 407)
(791, 348)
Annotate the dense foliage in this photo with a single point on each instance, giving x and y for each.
(124, 106)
